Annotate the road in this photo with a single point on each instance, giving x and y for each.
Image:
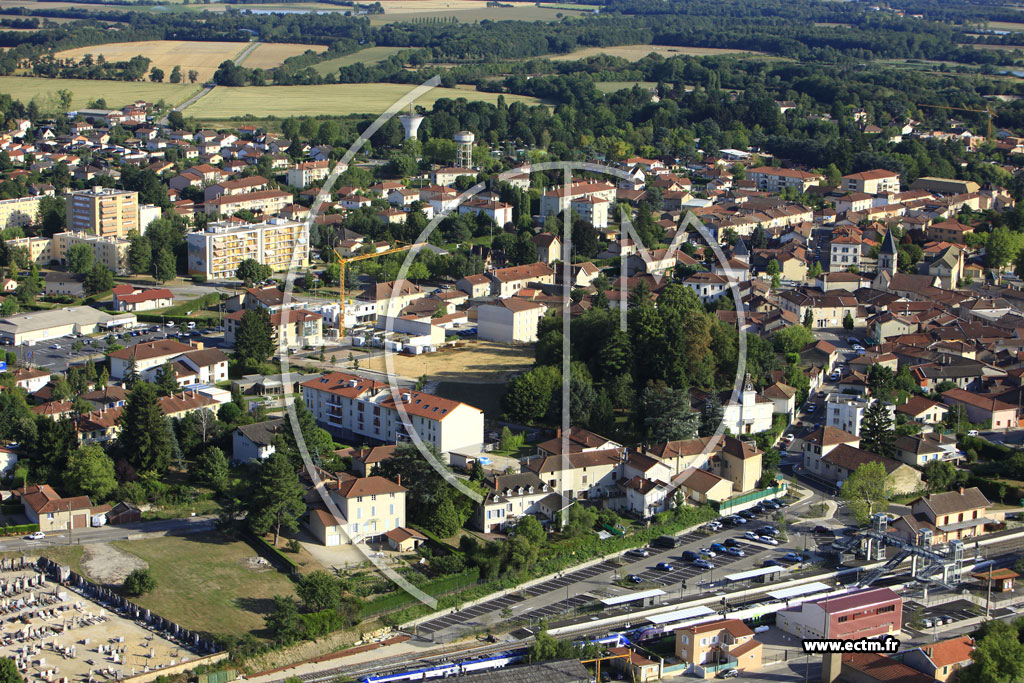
(207, 89)
(105, 534)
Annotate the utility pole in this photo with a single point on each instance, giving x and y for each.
(988, 601)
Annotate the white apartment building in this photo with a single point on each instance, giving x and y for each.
(846, 412)
(499, 212)
(360, 408)
(874, 181)
(509, 321)
(371, 507)
(217, 251)
(593, 210)
(103, 211)
(844, 252)
(110, 252)
(307, 173)
(773, 179)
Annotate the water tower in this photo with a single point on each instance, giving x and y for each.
(411, 123)
(464, 149)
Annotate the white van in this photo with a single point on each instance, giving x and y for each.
(191, 326)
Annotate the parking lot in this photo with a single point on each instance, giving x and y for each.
(937, 618)
(75, 350)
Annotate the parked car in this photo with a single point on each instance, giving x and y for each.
(751, 535)
(811, 407)
(749, 514)
(768, 539)
(707, 552)
(741, 519)
(769, 531)
(771, 563)
(719, 547)
(702, 563)
(633, 578)
(729, 673)
(973, 432)
(736, 552)
(36, 536)
(771, 504)
(819, 529)
(731, 543)
(639, 552)
(690, 556)
(793, 557)
(852, 341)
(665, 542)
(664, 566)
(54, 346)
(835, 375)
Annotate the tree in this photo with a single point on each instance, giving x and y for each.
(285, 623)
(156, 75)
(166, 267)
(140, 253)
(876, 430)
(166, 382)
(666, 414)
(998, 656)
(193, 75)
(941, 475)
(319, 591)
(211, 468)
(139, 582)
(90, 472)
(9, 671)
(529, 395)
(445, 521)
(866, 491)
(711, 416)
(848, 321)
(531, 529)
(792, 339)
(809, 319)
(80, 258)
(176, 74)
(98, 279)
(277, 497)
(251, 271)
(254, 341)
(146, 438)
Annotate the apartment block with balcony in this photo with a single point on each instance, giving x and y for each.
(19, 212)
(292, 328)
(103, 212)
(364, 409)
(218, 251)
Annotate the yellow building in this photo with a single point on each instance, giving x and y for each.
(719, 645)
(19, 212)
(103, 211)
(218, 251)
(110, 252)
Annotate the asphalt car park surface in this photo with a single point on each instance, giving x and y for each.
(958, 610)
(575, 588)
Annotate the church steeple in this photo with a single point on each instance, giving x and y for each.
(888, 254)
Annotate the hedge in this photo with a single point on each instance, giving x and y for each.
(434, 587)
(273, 555)
(986, 449)
(19, 529)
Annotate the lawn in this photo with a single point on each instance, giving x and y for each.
(270, 55)
(1006, 26)
(636, 52)
(339, 100)
(203, 56)
(116, 93)
(615, 86)
(368, 55)
(203, 582)
(70, 555)
(468, 11)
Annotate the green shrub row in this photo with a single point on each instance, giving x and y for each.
(986, 449)
(434, 587)
(19, 529)
(273, 555)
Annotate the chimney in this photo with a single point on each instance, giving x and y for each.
(400, 481)
(961, 490)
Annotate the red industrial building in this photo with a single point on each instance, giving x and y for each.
(862, 614)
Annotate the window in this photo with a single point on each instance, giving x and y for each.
(842, 620)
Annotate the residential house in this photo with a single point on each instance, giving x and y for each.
(64, 284)
(293, 329)
(875, 181)
(710, 648)
(136, 299)
(45, 507)
(584, 475)
(509, 498)
(476, 286)
(948, 516)
(843, 460)
(919, 449)
(942, 659)
(255, 442)
(923, 410)
(981, 409)
(770, 179)
(505, 282)
(821, 441)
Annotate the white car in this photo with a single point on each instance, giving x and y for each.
(767, 539)
(835, 375)
(751, 535)
(858, 348)
(708, 552)
(36, 536)
(973, 432)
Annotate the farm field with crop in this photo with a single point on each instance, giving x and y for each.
(204, 57)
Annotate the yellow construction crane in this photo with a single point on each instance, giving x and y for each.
(976, 111)
(343, 261)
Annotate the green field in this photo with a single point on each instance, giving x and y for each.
(339, 100)
(203, 583)
(615, 86)
(369, 55)
(116, 93)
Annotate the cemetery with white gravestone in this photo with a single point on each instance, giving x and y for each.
(59, 629)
